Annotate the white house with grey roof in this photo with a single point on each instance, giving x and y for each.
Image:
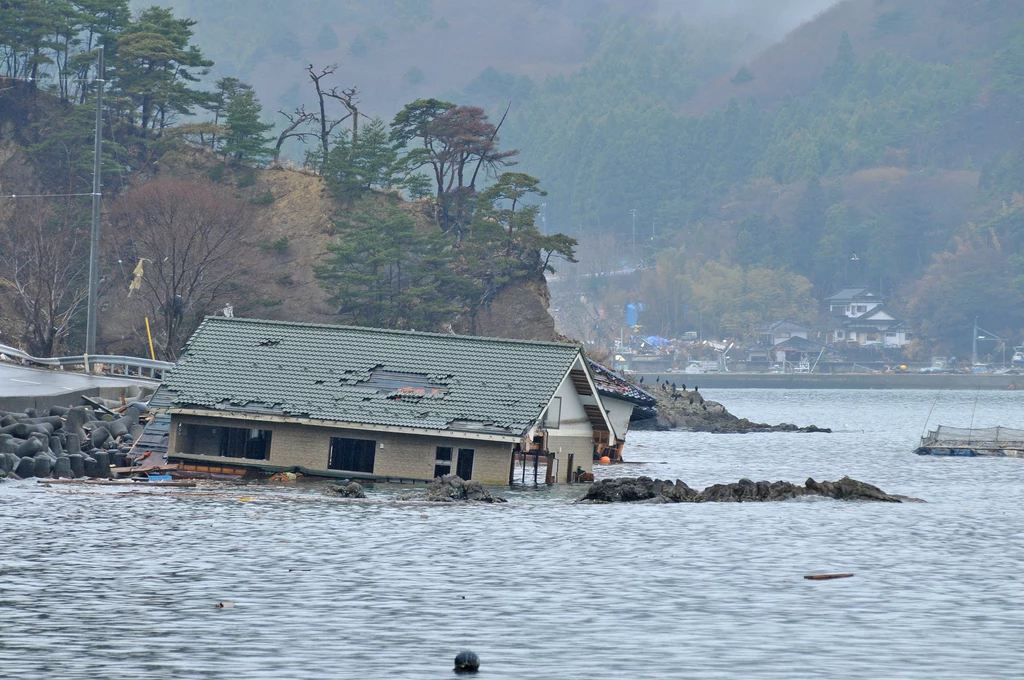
(369, 403)
(859, 316)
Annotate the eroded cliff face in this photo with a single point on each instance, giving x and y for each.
(518, 311)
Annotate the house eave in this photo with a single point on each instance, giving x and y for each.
(344, 425)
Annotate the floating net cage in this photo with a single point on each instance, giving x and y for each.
(983, 437)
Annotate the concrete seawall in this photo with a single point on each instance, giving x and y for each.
(843, 381)
(22, 388)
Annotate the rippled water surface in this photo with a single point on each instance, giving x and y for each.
(103, 583)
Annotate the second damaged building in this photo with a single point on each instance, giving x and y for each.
(342, 400)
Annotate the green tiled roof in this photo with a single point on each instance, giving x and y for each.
(368, 376)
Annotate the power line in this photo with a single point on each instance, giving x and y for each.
(40, 80)
(12, 196)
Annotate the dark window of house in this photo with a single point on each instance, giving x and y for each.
(464, 469)
(352, 455)
(442, 461)
(236, 442)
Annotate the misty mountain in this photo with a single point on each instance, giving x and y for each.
(397, 50)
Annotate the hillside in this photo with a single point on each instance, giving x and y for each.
(877, 143)
(381, 45)
(942, 31)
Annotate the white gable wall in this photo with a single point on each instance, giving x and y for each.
(572, 432)
(619, 412)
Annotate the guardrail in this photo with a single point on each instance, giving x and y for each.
(110, 364)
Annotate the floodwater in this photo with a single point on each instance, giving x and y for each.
(103, 583)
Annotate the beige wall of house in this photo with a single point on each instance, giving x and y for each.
(395, 455)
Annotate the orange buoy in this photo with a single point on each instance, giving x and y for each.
(605, 460)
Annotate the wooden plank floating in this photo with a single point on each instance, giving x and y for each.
(143, 469)
(116, 482)
(826, 577)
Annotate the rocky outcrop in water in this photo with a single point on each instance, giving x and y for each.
(347, 490)
(453, 489)
(688, 410)
(66, 443)
(647, 490)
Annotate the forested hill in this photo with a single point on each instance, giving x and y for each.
(881, 129)
(879, 144)
(201, 214)
(939, 31)
(749, 172)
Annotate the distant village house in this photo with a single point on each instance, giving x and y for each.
(858, 316)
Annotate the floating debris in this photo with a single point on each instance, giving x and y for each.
(467, 662)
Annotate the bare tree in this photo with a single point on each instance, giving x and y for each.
(327, 125)
(43, 262)
(349, 98)
(296, 119)
(195, 240)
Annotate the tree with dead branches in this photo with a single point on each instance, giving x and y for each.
(346, 96)
(194, 241)
(349, 98)
(44, 266)
(296, 120)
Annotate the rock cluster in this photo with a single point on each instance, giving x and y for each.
(688, 410)
(66, 442)
(347, 490)
(645, 489)
(453, 489)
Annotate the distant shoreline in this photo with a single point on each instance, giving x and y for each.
(841, 381)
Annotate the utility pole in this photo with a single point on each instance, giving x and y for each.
(633, 213)
(974, 345)
(97, 196)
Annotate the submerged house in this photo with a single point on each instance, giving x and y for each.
(624, 402)
(370, 403)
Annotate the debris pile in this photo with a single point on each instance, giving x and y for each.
(647, 490)
(68, 443)
(453, 489)
(347, 489)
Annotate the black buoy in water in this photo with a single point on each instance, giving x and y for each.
(467, 662)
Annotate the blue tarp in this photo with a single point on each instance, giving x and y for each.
(633, 310)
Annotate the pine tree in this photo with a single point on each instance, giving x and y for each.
(246, 140)
(839, 74)
(372, 163)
